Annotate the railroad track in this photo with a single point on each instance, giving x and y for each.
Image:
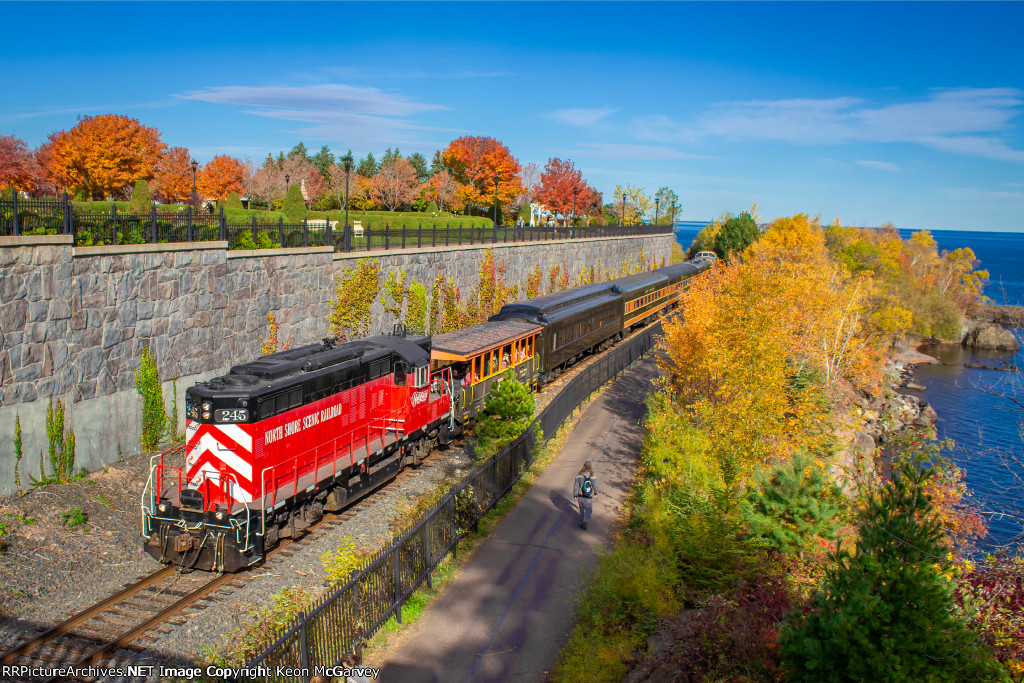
(105, 635)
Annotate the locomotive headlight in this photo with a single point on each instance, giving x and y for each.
(219, 516)
(207, 406)
(162, 507)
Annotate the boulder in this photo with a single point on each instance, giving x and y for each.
(914, 386)
(986, 335)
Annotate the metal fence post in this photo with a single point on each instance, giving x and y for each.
(254, 231)
(427, 555)
(113, 221)
(66, 215)
(154, 240)
(223, 226)
(280, 230)
(387, 236)
(14, 197)
(433, 236)
(419, 236)
(471, 233)
(305, 230)
(447, 232)
(494, 238)
(330, 232)
(304, 646)
(398, 583)
(188, 229)
(403, 235)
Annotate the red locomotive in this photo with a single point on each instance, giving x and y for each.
(277, 441)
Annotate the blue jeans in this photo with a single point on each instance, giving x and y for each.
(586, 508)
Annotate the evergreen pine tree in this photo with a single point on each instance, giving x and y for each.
(299, 151)
(507, 412)
(883, 613)
(436, 164)
(792, 505)
(367, 167)
(419, 163)
(323, 161)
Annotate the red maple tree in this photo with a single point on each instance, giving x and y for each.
(557, 182)
(18, 168)
(394, 184)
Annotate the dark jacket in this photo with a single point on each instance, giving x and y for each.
(577, 485)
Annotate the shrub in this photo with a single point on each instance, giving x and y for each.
(340, 564)
(142, 200)
(294, 207)
(431, 208)
(233, 202)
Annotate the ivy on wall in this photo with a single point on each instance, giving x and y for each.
(354, 292)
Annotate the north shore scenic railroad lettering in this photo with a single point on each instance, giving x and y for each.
(311, 420)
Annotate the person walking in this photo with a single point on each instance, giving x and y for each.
(584, 489)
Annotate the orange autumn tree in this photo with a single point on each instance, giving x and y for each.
(765, 343)
(102, 155)
(474, 163)
(172, 179)
(221, 176)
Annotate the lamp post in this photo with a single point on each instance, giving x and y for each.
(495, 201)
(657, 201)
(622, 210)
(195, 197)
(575, 191)
(673, 213)
(347, 240)
(287, 178)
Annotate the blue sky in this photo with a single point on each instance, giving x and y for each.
(873, 112)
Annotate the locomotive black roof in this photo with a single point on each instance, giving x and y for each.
(474, 340)
(544, 307)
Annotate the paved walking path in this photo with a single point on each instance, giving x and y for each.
(510, 610)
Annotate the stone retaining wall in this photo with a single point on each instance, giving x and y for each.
(74, 321)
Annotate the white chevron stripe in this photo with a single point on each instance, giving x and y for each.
(207, 442)
(238, 435)
(208, 472)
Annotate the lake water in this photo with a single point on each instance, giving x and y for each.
(986, 427)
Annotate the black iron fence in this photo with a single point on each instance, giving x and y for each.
(20, 216)
(340, 621)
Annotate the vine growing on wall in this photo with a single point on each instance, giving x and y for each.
(416, 311)
(436, 299)
(393, 297)
(154, 416)
(273, 344)
(354, 293)
(17, 450)
(492, 291)
(61, 448)
(533, 282)
(553, 278)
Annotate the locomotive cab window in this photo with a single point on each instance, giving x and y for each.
(422, 376)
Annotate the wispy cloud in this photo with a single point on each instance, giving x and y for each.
(880, 165)
(975, 194)
(969, 121)
(362, 116)
(325, 97)
(582, 118)
(608, 150)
